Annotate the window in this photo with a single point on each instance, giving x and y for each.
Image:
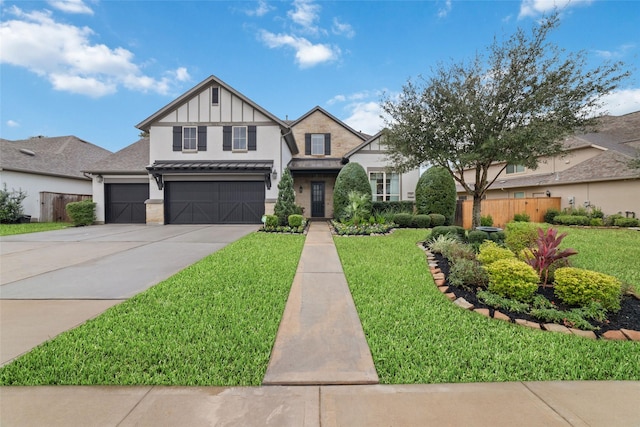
(518, 195)
(189, 138)
(515, 169)
(239, 138)
(317, 144)
(215, 96)
(385, 186)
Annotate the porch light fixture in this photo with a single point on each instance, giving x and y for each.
(99, 178)
(301, 189)
(274, 174)
(548, 193)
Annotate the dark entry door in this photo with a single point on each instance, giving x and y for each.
(317, 199)
(125, 203)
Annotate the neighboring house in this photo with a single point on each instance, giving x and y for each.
(41, 165)
(594, 171)
(215, 156)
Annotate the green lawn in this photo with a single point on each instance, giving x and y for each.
(213, 323)
(417, 335)
(33, 227)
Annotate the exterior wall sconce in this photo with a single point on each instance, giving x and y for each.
(301, 189)
(274, 174)
(548, 193)
(99, 179)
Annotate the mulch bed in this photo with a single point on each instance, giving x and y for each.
(627, 318)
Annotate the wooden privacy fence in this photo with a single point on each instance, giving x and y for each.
(52, 205)
(503, 210)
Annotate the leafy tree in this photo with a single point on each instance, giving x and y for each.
(512, 106)
(286, 203)
(436, 193)
(11, 204)
(352, 177)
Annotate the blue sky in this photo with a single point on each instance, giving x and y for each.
(96, 68)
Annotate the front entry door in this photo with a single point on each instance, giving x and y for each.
(317, 199)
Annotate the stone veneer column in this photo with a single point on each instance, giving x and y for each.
(155, 211)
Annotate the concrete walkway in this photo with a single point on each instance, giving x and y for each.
(320, 339)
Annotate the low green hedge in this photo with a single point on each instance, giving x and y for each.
(576, 286)
(572, 220)
(82, 213)
(626, 222)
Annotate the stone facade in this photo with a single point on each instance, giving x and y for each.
(155, 211)
(343, 139)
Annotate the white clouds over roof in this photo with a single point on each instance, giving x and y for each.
(66, 56)
(71, 6)
(534, 8)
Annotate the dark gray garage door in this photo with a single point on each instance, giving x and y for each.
(125, 203)
(211, 202)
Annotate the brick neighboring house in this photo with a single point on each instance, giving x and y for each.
(594, 170)
(216, 157)
(41, 165)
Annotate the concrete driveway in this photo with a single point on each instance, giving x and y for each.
(56, 280)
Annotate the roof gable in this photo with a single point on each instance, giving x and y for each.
(321, 110)
(131, 159)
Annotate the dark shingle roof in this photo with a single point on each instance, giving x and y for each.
(65, 156)
(132, 159)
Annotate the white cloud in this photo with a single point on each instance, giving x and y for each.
(444, 10)
(365, 117)
(615, 54)
(336, 99)
(13, 124)
(305, 13)
(341, 28)
(534, 8)
(307, 53)
(65, 55)
(622, 102)
(261, 9)
(71, 6)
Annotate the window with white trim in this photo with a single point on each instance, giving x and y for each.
(189, 138)
(385, 186)
(515, 169)
(239, 138)
(317, 144)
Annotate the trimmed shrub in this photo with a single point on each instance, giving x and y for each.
(512, 278)
(286, 203)
(550, 214)
(393, 207)
(521, 217)
(271, 221)
(580, 287)
(454, 230)
(611, 219)
(437, 220)
(486, 221)
(352, 177)
(436, 193)
(477, 236)
(596, 222)
(626, 222)
(520, 235)
(11, 204)
(421, 221)
(295, 220)
(596, 212)
(572, 220)
(491, 252)
(497, 237)
(468, 274)
(81, 213)
(403, 220)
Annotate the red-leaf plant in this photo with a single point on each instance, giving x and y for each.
(546, 253)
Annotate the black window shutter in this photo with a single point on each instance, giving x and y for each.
(226, 138)
(252, 140)
(327, 144)
(307, 144)
(215, 95)
(202, 138)
(177, 138)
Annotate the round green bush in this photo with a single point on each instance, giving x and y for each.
(403, 220)
(576, 286)
(436, 193)
(295, 220)
(491, 252)
(550, 214)
(437, 220)
(486, 221)
(497, 237)
(512, 278)
(611, 219)
(81, 213)
(478, 236)
(521, 217)
(453, 230)
(626, 222)
(271, 221)
(352, 177)
(520, 235)
(421, 221)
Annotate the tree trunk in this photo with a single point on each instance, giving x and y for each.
(477, 199)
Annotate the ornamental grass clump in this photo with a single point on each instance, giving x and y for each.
(576, 286)
(512, 278)
(491, 252)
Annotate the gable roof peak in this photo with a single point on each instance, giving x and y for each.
(319, 109)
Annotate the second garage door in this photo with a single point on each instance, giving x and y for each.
(214, 202)
(125, 203)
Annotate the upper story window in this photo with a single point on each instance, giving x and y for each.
(385, 186)
(215, 95)
(189, 138)
(515, 169)
(239, 138)
(317, 144)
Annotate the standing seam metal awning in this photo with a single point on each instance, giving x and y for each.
(159, 168)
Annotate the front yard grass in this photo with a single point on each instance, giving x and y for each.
(416, 335)
(214, 323)
(32, 227)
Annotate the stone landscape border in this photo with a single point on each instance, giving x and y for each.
(440, 281)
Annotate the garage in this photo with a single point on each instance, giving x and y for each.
(214, 202)
(125, 203)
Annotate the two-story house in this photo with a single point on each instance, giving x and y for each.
(214, 156)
